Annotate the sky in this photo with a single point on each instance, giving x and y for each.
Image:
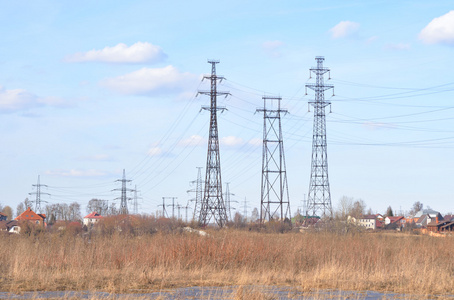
(91, 88)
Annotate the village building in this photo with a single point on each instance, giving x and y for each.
(30, 216)
(3, 217)
(92, 218)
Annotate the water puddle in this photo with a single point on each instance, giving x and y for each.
(221, 293)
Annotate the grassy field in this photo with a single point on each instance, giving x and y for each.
(310, 261)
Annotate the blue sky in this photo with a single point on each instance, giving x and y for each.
(88, 89)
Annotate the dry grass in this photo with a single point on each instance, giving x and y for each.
(309, 261)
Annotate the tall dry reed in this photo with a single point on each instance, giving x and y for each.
(124, 263)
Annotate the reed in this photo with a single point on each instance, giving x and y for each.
(119, 262)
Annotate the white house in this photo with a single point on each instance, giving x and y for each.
(92, 218)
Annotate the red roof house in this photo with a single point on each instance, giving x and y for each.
(92, 218)
(31, 216)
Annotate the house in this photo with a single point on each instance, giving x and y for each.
(425, 216)
(13, 226)
(449, 218)
(30, 216)
(399, 220)
(366, 221)
(92, 218)
(9, 226)
(435, 226)
(3, 217)
(448, 227)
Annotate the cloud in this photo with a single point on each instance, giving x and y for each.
(231, 141)
(272, 48)
(440, 30)
(76, 173)
(399, 46)
(256, 142)
(148, 81)
(193, 140)
(344, 29)
(137, 53)
(154, 151)
(21, 100)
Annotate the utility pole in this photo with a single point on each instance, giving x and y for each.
(245, 209)
(274, 192)
(164, 212)
(135, 204)
(228, 201)
(319, 196)
(213, 204)
(124, 199)
(198, 193)
(38, 194)
(172, 205)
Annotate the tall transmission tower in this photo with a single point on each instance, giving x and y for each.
(228, 201)
(198, 193)
(38, 194)
(319, 196)
(212, 203)
(135, 204)
(124, 199)
(274, 193)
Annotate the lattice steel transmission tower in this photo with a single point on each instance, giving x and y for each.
(319, 196)
(124, 198)
(213, 203)
(274, 201)
(198, 193)
(38, 194)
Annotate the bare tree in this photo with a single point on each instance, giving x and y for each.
(99, 206)
(21, 207)
(344, 208)
(74, 212)
(417, 206)
(8, 211)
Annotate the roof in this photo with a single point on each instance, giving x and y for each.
(2, 214)
(439, 224)
(369, 217)
(427, 211)
(395, 219)
(93, 215)
(29, 214)
(449, 218)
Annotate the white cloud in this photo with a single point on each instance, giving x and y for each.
(399, 46)
(22, 100)
(439, 30)
(154, 151)
(344, 29)
(76, 173)
(256, 142)
(193, 140)
(137, 53)
(152, 81)
(231, 141)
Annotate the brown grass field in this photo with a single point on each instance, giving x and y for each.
(402, 263)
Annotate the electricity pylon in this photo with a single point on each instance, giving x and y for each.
(124, 199)
(274, 192)
(38, 194)
(319, 196)
(198, 193)
(213, 204)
